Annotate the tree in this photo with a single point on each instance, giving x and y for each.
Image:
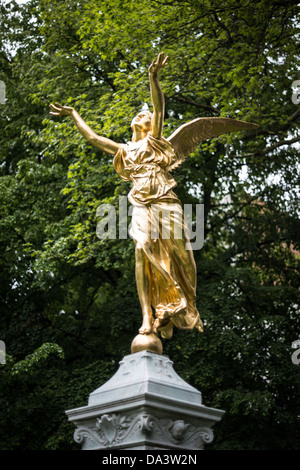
(67, 297)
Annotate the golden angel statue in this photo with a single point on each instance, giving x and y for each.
(165, 266)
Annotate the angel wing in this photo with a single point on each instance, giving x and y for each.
(189, 135)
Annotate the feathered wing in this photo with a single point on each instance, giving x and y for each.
(189, 135)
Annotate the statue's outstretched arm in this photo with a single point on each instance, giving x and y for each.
(102, 143)
(157, 96)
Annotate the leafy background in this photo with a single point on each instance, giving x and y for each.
(69, 307)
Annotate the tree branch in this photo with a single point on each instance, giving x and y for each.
(283, 127)
(194, 103)
(272, 147)
(223, 26)
(232, 215)
(294, 116)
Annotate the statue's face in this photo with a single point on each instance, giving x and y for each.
(142, 120)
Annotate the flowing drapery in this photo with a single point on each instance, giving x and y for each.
(159, 228)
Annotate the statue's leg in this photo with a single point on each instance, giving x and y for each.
(142, 274)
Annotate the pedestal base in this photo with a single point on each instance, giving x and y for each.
(145, 405)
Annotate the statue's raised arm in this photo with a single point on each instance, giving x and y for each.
(102, 143)
(157, 96)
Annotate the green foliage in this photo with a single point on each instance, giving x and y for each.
(69, 307)
(32, 360)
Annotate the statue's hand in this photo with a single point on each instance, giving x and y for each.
(160, 63)
(59, 110)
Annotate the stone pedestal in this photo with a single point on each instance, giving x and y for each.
(144, 406)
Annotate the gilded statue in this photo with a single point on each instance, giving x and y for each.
(165, 268)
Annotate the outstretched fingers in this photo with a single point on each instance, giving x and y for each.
(58, 105)
(159, 63)
(162, 59)
(59, 110)
(165, 61)
(54, 110)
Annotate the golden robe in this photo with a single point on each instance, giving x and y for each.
(158, 227)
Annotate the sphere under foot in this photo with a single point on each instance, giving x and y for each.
(149, 342)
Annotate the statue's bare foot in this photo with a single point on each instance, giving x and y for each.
(147, 326)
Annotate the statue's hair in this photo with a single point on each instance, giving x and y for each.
(145, 111)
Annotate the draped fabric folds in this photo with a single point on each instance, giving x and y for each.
(158, 227)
